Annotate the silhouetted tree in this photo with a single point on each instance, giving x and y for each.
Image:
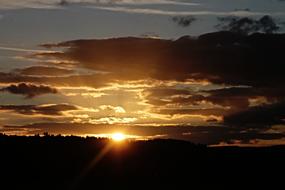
(67, 162)
(46, 134)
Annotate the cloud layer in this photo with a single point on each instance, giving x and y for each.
(29, 90)
(219, 87)
(48, 109)
(231, 59)
(239, 62)
(46, 4)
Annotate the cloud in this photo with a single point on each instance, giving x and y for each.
(164, 92)
(182, 13)
(116, 109)
(74, 80)
(228, 55)
(44, 71)
(29, 90)
(23, 49)
(207, 80)
(246, 25)
(113, 120)
(155, 82)
(205, 112)
(233, 103)
(184, 21)
(165, 96)
(259, 116)
(140, 2)
(53, 4)
(239, 97)
(243, 68)
(45, 109)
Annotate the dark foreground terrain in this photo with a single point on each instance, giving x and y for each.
(89, 163)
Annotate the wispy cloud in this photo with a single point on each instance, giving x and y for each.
(51, 4)
(24, 50)
(44, 109)
(183, 13)
(168, 2)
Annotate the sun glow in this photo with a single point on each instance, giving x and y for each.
(118, 137)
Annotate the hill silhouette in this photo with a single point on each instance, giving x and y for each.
(57, 162)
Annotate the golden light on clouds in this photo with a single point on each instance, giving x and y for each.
(161, 85)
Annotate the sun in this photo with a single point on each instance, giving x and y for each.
(118, 137)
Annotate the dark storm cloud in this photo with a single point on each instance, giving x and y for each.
(44, 71)
(259, 116)
(49, 109)
(200, 134)
(29, 90)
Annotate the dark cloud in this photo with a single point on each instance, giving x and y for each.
(48, 109)
(200, 111)
(235, 99)
(158, 101)
(184, 21)
(238, 97)
(29, 90)
(44, 71)
(247, 25)
(168, 96)
(191, 100)
(163, 92)
(259, 116)
(231, 58)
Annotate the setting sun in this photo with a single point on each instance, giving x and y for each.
(118, 137)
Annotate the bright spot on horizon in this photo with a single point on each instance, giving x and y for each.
(118, 137)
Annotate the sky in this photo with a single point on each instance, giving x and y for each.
(143, 67)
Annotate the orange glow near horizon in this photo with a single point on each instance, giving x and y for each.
(118, 137)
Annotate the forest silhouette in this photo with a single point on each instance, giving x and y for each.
(58, 162)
